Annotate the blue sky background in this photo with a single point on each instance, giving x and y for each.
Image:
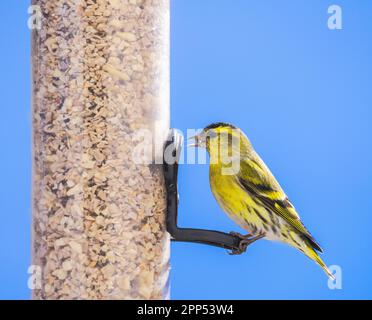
(300, 91)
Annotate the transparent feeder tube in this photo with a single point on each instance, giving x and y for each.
(100, 118)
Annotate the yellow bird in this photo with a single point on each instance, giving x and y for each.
(248, 192)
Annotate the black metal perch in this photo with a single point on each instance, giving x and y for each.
(173, 147)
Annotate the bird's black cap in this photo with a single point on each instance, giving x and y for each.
(219, 125)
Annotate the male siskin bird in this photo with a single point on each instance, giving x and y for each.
(250, 195)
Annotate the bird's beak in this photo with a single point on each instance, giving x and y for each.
(193, 142)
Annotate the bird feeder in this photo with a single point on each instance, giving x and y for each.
(101, 207)
(100, 88)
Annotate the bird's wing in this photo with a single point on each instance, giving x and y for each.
(258, 181)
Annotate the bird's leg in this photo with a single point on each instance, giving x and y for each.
(245, 242)
(240, 236)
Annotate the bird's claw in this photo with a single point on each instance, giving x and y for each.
(245, 241)
(240, 236)
(243, 245)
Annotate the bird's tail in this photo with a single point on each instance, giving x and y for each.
(312, 254)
